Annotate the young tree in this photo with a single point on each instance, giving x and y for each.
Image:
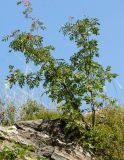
(90, 76)
(71, 84)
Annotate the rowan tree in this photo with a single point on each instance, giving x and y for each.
(71, 83)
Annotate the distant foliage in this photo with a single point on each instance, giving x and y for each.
(31, 110)
(7, 113)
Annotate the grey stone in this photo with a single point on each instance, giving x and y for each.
(47, 136)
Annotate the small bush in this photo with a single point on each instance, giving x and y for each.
(31, 110)
(106, 139)
(7, 114)
(18, 151)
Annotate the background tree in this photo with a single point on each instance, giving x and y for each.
(80, 80)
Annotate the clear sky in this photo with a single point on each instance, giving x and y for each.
(54, 13)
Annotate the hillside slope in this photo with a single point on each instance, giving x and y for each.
(40, 140)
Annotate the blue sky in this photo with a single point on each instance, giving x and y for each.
(54, 13)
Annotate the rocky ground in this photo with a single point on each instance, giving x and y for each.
(46, 136)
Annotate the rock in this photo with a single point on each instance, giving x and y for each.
(47, 136)
(67, 155)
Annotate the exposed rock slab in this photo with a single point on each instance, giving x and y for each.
(47, 137)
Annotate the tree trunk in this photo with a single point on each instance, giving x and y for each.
(93, 116)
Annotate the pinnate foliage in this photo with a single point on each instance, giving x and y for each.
(72, 83)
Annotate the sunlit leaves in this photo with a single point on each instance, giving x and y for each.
(92, 76)
(70, 84)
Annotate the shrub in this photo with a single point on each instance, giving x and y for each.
(7, 114)
(31, 110)
(18, 151)
(106, 139)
